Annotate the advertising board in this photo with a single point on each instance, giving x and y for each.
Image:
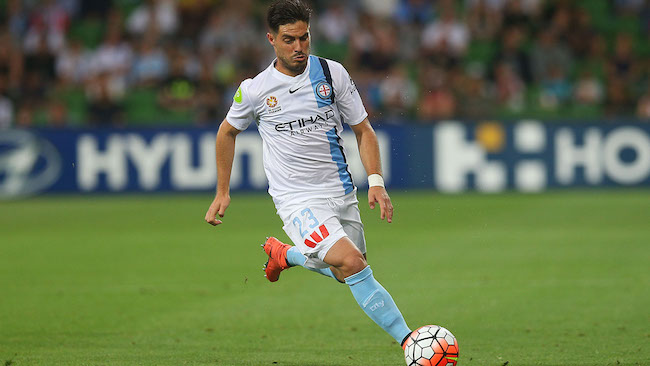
(452, 156)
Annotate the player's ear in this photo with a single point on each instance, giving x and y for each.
(271, 39)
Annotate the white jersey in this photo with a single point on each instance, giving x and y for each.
(300, 120)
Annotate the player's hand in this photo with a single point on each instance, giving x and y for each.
(218, 207)
(379, 195)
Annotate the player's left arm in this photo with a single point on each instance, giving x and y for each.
(369, 152)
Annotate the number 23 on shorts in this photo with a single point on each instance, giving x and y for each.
(307, 221)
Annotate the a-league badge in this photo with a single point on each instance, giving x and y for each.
(271, 101)
(273, 104)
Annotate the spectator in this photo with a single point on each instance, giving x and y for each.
(560, 22)
(11, 63)
(474, 99)
(178, 92)
(25, 116)
(374, 44)
(95, 9)
(532, 8)
(448, 35)
(581, 33)
(644, 20)
(221, 67)
(41, 62)
(436, 104)
(112, 60)
(643, 106)
(104, 95)
(73, 64)
(362, 40)
(547, 54)
(231, 29)
(619, 102)
(511, 52)
(335, 23)
(624, 63)
(628, 7)
(588, 89)
(398, 93)
(187, 59)
(150, 65)
(17, 20)
(515, 15)
(493, 6)
(208, 101)
(106, 84)
(417, 12)
(437, 100)
(484, 18)
(6, 104)
(510, 88)
(193, 15)
(380, 8)
(6, 112)
(48, 25)
(596, 60)
(334, 26)
(33, 91)
(159, 15)
(57, 114)
(555, 88)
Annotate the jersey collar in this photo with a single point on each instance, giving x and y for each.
(286, 78)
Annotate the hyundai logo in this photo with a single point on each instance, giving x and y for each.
(28, 164)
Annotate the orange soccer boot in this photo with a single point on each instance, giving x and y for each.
(277, 252)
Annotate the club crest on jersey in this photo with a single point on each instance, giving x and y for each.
(324, 90)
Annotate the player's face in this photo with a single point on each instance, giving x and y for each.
(291, 45)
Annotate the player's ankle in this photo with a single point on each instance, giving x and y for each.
(404, 340)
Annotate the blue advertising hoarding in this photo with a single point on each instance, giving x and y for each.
(528, 156)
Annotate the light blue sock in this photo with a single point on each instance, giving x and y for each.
(295, 258)
(378, 304)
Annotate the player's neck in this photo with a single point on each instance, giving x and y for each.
(283, 69)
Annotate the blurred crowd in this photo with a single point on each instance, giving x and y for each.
(156, 62)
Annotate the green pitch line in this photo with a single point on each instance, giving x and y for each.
(552, 279)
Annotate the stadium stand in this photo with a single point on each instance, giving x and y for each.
(166, 62)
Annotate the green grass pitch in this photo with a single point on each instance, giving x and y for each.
(560, 278)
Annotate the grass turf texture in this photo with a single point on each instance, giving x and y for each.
(552, 279)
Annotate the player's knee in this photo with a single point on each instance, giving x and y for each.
(354, 264)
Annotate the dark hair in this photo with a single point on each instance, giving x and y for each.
(283, 12)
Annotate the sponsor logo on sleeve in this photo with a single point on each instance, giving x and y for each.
(238, 96)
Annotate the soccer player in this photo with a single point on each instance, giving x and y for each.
(300, 103)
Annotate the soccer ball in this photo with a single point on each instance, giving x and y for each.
(431, 345)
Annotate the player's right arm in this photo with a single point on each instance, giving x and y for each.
(225, 152)
(240, 115)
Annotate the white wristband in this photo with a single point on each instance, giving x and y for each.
(375, 180)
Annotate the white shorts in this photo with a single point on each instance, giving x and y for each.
(315, 225)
